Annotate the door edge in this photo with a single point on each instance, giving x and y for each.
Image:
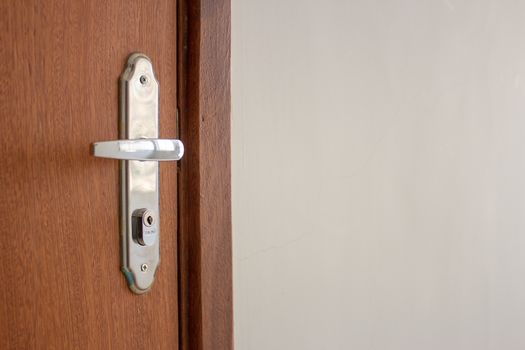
(205, 228)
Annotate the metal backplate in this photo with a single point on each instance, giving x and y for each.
(139, 111)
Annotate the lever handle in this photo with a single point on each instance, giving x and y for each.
(140, 149)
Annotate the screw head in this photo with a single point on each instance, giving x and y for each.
(144, 267)
(143, 79)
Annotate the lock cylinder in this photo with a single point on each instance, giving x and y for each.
(144, 227)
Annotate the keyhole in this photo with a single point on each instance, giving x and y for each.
(149, 220)
(143, 79)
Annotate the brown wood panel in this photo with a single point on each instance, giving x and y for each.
(60, 284)
(205, 235)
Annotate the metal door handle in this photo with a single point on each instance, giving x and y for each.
(141, 149)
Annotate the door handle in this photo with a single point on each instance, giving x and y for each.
(142, 149)
(139, 151)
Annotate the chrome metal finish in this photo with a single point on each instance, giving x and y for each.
(144, 149)
(139, 151)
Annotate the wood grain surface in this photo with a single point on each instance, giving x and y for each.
(205, 237)
(61, 285)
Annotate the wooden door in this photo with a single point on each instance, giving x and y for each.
(61, 285)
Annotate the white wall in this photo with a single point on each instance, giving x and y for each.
(379, 174)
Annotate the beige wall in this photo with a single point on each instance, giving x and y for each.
(379, 174)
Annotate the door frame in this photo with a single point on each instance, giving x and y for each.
(205, 228)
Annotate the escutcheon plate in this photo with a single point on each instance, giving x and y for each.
(139, 118)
